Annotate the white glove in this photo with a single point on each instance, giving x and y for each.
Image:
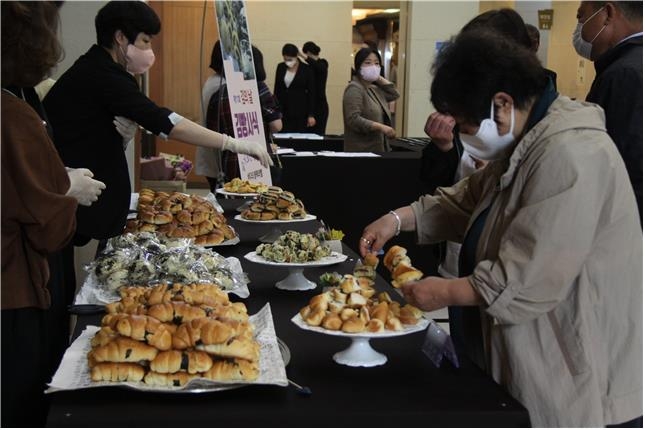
(83, 188)
(253, 149)
(126, 128)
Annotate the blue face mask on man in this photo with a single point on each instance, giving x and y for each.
(487, 144)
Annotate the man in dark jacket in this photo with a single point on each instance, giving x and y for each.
(611, 35)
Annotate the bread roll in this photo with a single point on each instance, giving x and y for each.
(228, 232)
(117, 372)
(177, 379)
(332, 322)
(393, 324)
(380, 311)
(353, 325)
(391, 253)
(356, 300)
(348, 313)
(248, 214)
(400, 269)
(213, 238)
(147, 227)
(200, 216)
(410, 276)
(123, 349)
(232, 370)
(244, 348)
(315, 317)
(187, 361)
(375, 326)
(371, 260)
(184, 217)
(204, 227)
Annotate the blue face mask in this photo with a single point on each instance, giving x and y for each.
(487, 144)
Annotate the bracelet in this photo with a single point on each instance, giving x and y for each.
(398, 222)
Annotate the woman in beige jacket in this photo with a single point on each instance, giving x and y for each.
(367, 119)
(552, 245)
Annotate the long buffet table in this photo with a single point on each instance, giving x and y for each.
(408, 391)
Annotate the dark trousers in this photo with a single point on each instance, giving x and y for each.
(26, 366)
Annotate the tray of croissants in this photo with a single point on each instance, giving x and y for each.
(179, 215)
(351, 307)
(175, 337)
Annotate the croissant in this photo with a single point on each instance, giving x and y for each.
(176, 312)
(175, 361)
(241, 347)
(169, 379)
(232, 370)
(117, 372)
(126, 305)
(104, 336)
(213, 332)
(158, 294)
(123, 349)
(230, 312)
(188, 334)
(203, 294)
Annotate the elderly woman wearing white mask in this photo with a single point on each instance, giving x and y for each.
(551, 262)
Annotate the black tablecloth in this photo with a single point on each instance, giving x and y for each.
(408, 391)
(349, 193)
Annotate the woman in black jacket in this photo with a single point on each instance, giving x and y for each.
(319, 67)
(295, 90)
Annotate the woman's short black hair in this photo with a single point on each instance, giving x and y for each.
(362, 54)
(258, 64)
(217, 63)
(131, 17)
(311, 47)
(475, 65)
(506, 21)
(290, 50)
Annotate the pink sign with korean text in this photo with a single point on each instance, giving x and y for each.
(243, 94)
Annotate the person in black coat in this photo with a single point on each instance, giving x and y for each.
(611, 35)
(319, 67)
(534, 34)
(295, 90)
(98, 87)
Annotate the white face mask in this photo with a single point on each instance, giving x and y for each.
(487, 144)
(582, 47)
(290, 63)
(370, 73)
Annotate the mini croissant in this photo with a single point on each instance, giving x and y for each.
(117, 372)
(175, 361)
(123, 349)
